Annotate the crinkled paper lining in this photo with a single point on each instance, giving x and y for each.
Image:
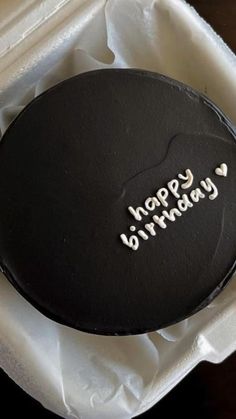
(75, 374)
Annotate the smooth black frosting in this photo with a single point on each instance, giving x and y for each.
(73, 162)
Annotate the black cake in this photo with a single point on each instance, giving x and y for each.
(118, 206)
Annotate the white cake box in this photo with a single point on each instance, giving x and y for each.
(75, 374)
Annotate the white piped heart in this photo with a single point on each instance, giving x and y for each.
(222, 170)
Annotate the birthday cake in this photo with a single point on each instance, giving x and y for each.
(118, 207)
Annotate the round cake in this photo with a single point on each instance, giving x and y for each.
(118, 207)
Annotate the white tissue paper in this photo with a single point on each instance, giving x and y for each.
(74, 374)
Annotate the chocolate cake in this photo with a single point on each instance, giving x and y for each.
(118, 206)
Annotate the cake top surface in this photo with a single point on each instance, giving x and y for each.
(118, 209)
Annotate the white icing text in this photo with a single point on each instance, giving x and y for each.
(184, 202)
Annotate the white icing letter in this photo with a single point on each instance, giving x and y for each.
(132, 228)
(151, 203)
(143, 235)
(188, 178)
(173, 186)
(171, 214)
(196, 194)
(209, 186)
(184, 203)
(162, 195)
(132, 242)
(136, 212)
(151, 229)
(159, 221)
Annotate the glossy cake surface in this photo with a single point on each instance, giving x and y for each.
(118, 206)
